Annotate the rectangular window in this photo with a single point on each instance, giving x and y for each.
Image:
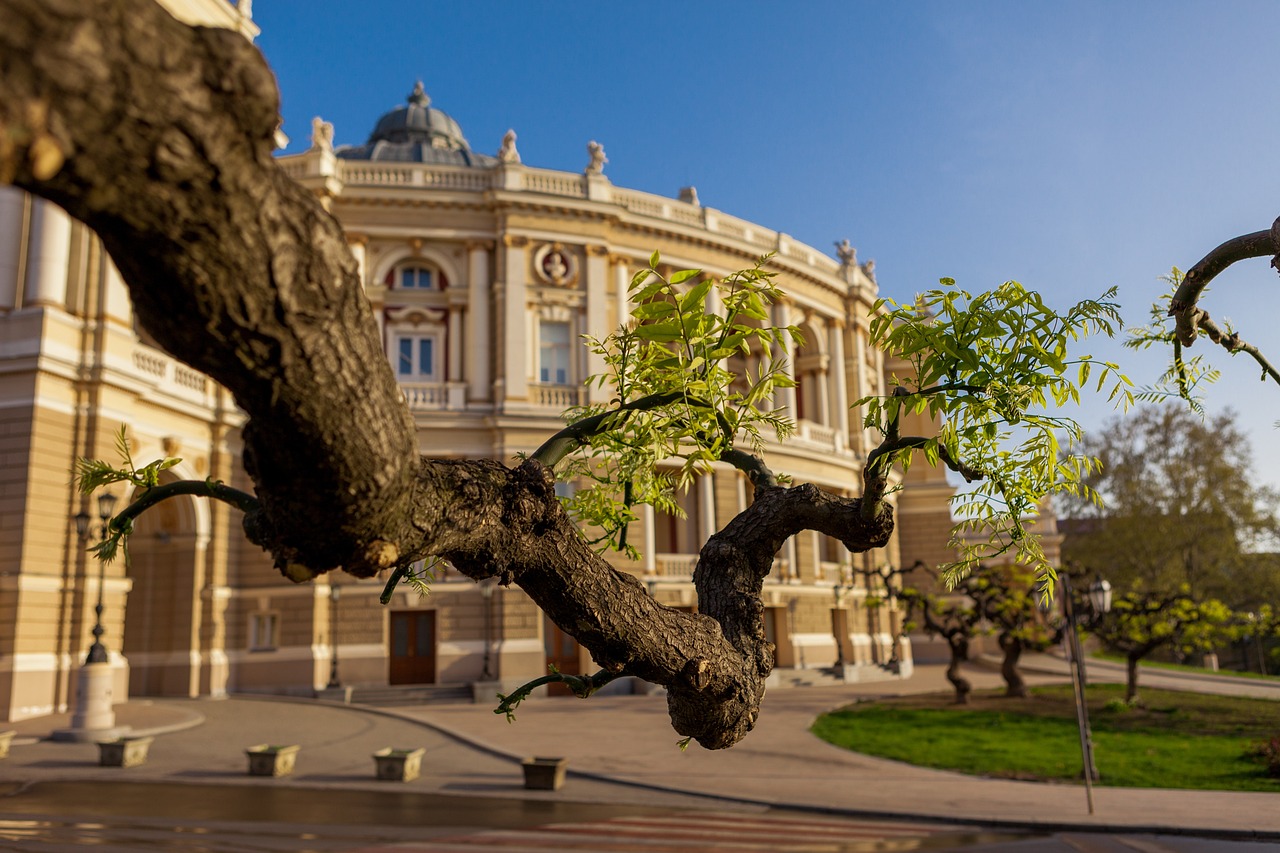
(553, 353)
(263, 631)
(416, 358)
(415, 278)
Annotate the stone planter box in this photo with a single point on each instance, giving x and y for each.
(124, 752)
(398, 765)
(6, 738)
(267, 760)
(544, 774)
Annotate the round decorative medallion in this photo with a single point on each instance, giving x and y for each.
(554, 265)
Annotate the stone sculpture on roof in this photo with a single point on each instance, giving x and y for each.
(508, 153)
(596, 164)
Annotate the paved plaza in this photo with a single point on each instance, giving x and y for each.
(624, 763)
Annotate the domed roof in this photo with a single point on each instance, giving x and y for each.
(417, 133)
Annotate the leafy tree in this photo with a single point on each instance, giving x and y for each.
(160, 136)
(1007, 598)
(953, 618)
(995, 369)
(1141, 622)
(1178, 508)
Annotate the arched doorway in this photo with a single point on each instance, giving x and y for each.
(164, 614)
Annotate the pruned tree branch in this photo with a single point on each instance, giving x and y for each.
(1183, 305)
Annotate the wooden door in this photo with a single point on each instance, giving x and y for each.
(562, 653)
(413, 647)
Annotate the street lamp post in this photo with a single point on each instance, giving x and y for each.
(1099, 604)
(86, 532)
(335, 593)
(92, 718)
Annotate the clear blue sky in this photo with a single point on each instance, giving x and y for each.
(1071, 146)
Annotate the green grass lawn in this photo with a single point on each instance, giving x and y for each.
(1176, 740)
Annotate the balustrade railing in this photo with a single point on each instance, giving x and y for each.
(557, 396)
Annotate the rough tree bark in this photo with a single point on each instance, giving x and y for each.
(1015, 686)
(959, 644)
(159, 137)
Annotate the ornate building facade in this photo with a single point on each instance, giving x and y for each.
(484, 273)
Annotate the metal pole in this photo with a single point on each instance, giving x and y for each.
(1077, 682)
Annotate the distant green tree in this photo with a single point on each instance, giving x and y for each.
(954, 618)
(1179, 507)
(1141, 622)
(1008, 599)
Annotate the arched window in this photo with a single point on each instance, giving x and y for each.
(415, 276)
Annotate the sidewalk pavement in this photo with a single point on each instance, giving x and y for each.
(628, 739)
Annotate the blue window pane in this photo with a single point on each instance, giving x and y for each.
(418, 278)
(425, 361)
(406, 357)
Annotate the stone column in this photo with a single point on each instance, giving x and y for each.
(115, 297)
(793, 561)
(621, 284)
(861, 374)
(597, 318)
(715, 304)
(12, 212)
(455, 344)
(515, 312)
(649, 557)
(838, 382)
(821, 383)
(359, 246)
(480, 345)
(49, 255)
(785, 397)
(707, 506)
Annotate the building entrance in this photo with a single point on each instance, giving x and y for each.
(413, 647)
(562, 653)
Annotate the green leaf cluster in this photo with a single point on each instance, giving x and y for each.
(94, 474)
(993, 371)
(1140, 622)
(688, 377)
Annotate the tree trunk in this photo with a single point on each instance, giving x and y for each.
(1015, 684)
(159, 137)
(1131, 680)
(959, 654)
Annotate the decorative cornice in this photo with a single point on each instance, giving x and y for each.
(416, 315)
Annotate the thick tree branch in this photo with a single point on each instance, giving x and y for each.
(159, 137)
(1187, 316)
(167, 134)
